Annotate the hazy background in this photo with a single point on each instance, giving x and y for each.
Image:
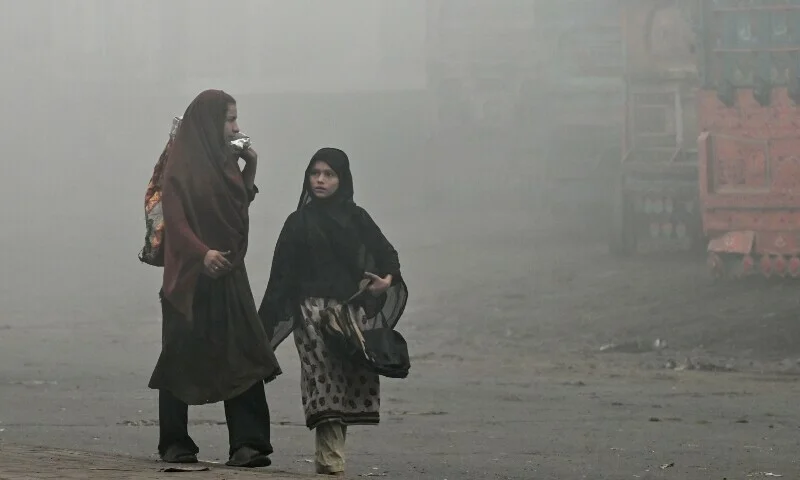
(89, 88)
(479, 132)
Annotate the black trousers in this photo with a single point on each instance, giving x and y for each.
(247, 417)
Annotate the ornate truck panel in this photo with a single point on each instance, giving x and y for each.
(749, 114)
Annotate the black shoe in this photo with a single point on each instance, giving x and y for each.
(247, 457)
(179, 454)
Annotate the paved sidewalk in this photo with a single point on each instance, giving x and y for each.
(18, 462)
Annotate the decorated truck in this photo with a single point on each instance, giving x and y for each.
(655, 199)
(749, 148)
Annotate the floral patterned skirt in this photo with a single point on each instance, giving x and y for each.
(334, 389)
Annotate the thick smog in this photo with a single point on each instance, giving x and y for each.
(446, 239)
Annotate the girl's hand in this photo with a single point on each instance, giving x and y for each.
(377, 285)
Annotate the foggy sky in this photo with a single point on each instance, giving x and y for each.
(92, 85)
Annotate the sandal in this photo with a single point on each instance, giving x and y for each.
(247, 457)
(179, 454)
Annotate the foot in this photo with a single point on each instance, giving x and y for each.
(247, 457)
(322, 470)
(179, 454)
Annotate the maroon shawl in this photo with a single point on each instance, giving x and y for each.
(205, 200)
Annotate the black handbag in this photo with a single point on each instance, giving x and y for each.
(382, 350)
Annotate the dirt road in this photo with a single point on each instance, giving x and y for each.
(535, 355)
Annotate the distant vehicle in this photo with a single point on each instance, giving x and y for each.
(749, 149)
(655, 205)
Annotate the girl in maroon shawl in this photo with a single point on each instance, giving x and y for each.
(214, 346)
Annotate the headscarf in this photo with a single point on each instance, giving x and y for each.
(339, 163)
(205, 200)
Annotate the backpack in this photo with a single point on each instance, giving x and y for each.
(153, 252)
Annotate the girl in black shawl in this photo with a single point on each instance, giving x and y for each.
(326, 248)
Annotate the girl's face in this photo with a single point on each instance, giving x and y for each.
(324, 182)
(231, 127)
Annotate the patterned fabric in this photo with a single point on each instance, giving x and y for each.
(341, 332)
(333, 388)
(152, 253)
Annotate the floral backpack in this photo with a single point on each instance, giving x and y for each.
(153, 252)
